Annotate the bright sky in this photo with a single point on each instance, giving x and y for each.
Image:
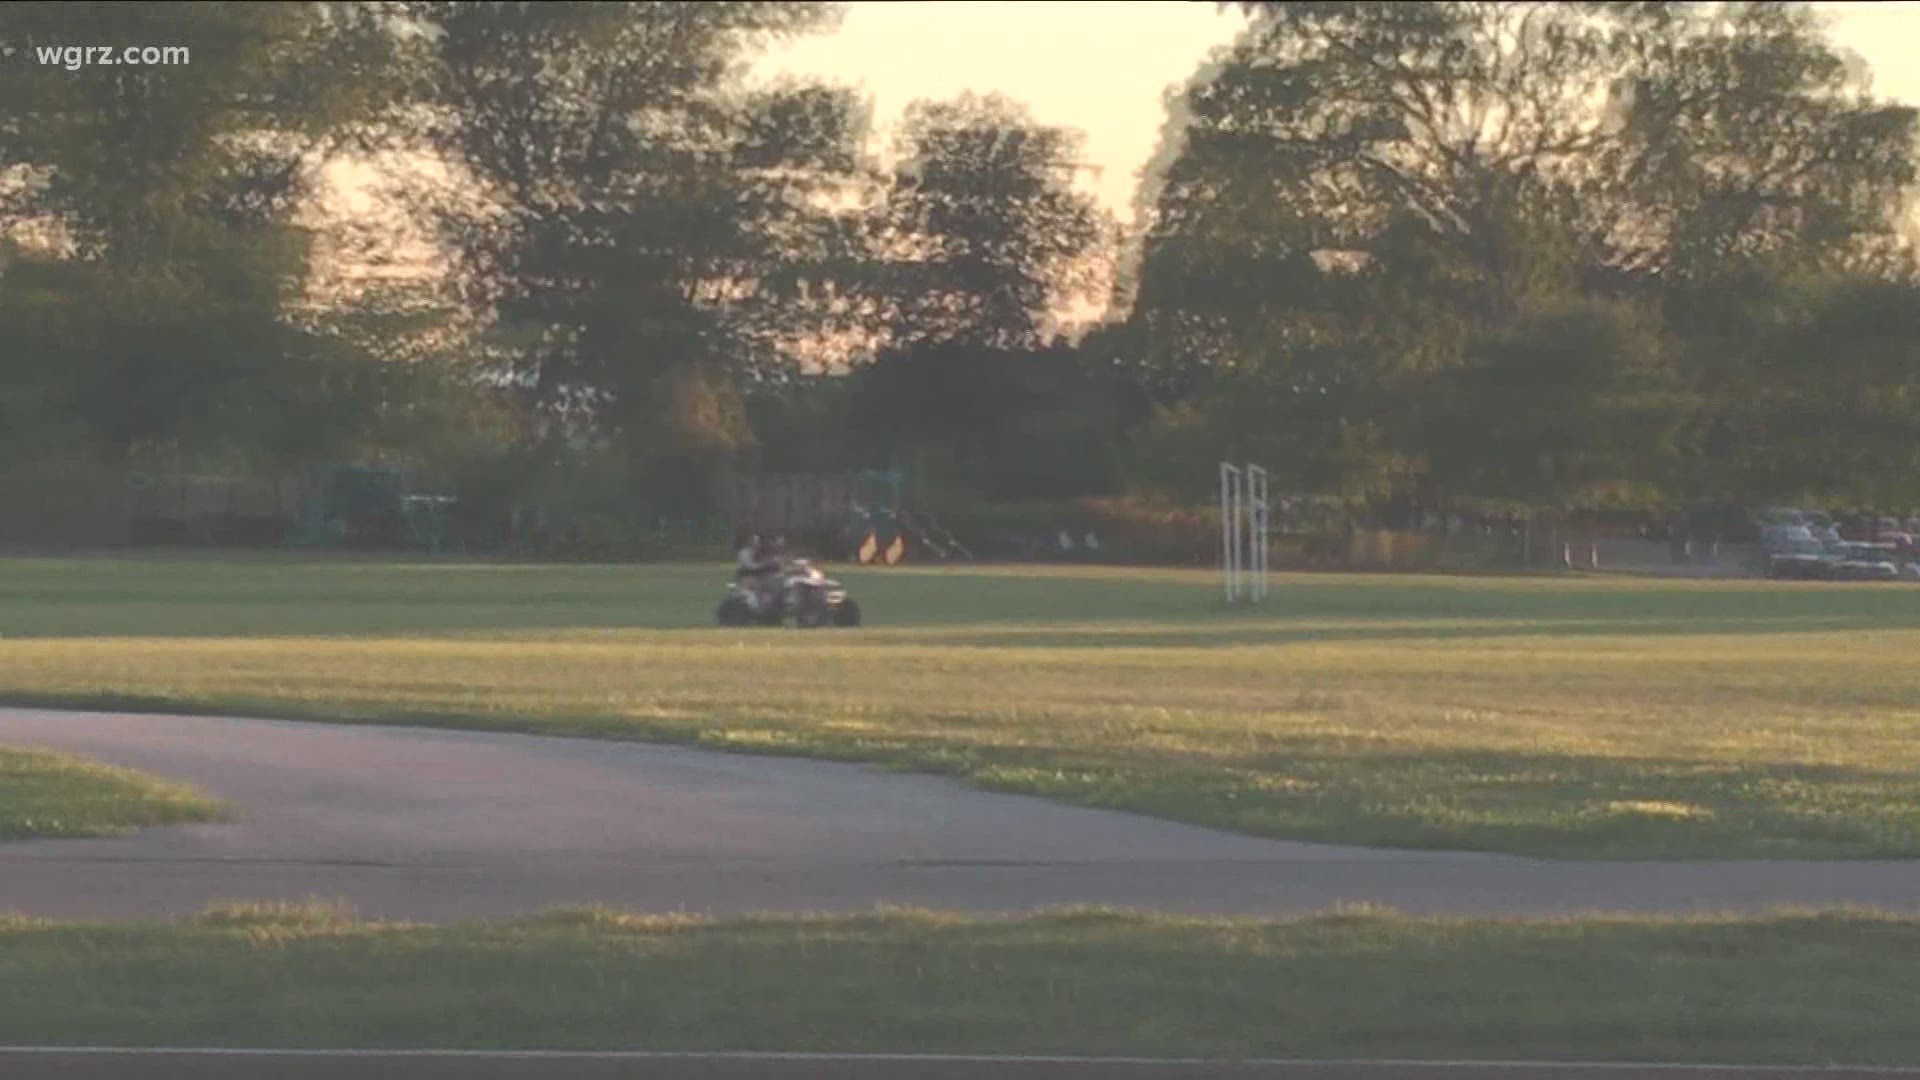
(1100, 67)
(1103, 66)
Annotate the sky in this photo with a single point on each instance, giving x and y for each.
(1102, 66)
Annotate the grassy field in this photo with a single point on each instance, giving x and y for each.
(46, 795)
(1583, 717)
(1789, 989)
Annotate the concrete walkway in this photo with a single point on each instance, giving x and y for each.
(439, 825)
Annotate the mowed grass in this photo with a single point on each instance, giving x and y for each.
(45, 795)
(1581, 717)
(1794, 988)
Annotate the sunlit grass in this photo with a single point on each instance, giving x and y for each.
(1793, 988)
(46, 795)
(1577, 717)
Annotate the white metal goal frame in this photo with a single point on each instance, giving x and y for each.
(1245, 521)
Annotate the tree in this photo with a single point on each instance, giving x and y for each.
(637, 211)
(979, 243)
(1005, 423)
(151, 208)
(1368, 192)
(37, 317)
(1747, 138)
(1830, 404)
(1575, 407)
(1666, 137)
(986, 234)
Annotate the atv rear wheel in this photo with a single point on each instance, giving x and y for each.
(847, 613)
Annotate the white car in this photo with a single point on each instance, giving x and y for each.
(1866, 562)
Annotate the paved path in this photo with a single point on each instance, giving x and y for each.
(248, 1065)
(435, 825)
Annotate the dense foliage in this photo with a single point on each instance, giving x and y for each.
(1552, 255)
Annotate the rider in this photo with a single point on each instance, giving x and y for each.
(759, 566)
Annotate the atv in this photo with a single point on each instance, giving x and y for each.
(805, 595)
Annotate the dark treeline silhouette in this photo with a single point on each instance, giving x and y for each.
(1499, 257)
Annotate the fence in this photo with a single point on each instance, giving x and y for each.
(828, 512)
(86, 506)
(795, 502)
(211, 509)
(64, 507)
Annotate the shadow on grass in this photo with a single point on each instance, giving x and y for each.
(1303, 630)
(1808, 989)
(985, 606)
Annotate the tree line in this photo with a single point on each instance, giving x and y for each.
(1551, 256)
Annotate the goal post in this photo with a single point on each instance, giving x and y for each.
(1232, 495)
(1258, 521)
(1245, 519)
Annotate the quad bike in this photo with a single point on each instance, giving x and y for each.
(807, 596)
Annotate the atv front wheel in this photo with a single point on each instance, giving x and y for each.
(733, 611)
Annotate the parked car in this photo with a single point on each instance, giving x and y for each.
(1799, 566)
(1781, 515)
(1801, 560)
(1791, 551)
(1866, 562)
